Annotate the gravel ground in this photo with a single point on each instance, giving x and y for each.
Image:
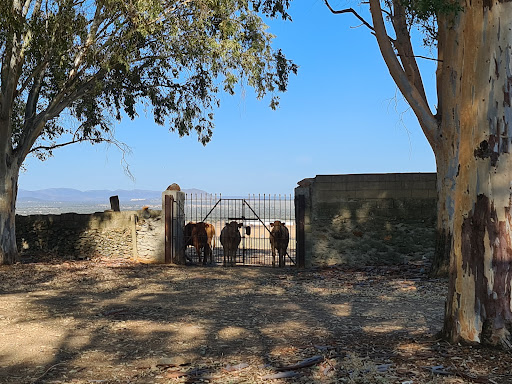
(108, 321)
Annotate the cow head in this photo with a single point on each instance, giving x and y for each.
(277, 223)
(234, 225)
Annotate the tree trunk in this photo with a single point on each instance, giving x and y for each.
(446, 173)
(474, 153)
(8, 193)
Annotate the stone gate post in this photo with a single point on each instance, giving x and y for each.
(303, 211)
(173, 212)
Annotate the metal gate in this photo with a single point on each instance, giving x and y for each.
(255, 213)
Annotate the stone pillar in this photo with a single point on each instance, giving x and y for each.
(173, 216)
(114, 203)
(303, 218)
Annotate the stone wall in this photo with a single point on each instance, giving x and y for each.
(77, 236)
(355, 220)
(135, 235)
(150, 238)
(369, 219)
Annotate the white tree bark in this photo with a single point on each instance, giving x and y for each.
(475, 85)
(471, 136)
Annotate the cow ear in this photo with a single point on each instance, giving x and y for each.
(271, 224)
(240, 225)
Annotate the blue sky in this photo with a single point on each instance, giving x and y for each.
(341, 114)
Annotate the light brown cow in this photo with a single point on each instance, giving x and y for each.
(210, 234)
(200, 236)
(230, 240)
(279, 238)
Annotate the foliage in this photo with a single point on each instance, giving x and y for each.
(425, 13)
(97, 60)
(426, 9)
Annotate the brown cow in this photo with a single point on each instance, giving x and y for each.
(279, 238)
(230, 239)
(200, 235)
(210, 234)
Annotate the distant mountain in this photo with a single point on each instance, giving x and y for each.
(92, 196)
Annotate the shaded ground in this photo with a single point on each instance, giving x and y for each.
(117, 322)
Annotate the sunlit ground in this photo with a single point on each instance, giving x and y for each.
(77, 322)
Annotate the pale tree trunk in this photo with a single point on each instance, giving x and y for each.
(9, 172)
(446, 172)
(475, 86)
(472, 141)
(8, 192)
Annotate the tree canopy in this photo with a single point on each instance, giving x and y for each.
(100, 59)
(70, 68)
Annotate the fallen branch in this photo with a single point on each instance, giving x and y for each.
(281, 375)
(234, 368)
(45, 372)
(303, 364)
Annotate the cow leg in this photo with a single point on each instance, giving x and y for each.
(281, 259)
(198, 254)
(207, 254)
(204, 255)
(232, 258)
(273, 257)
(225, 257)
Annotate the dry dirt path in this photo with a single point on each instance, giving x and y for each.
(117, 322)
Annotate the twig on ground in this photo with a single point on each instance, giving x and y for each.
(45, 372)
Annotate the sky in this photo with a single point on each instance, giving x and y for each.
(342, 114)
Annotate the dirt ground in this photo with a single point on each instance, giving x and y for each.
(107, 321)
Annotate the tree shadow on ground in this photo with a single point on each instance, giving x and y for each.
(85, 321)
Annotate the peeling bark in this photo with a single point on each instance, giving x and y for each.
(476, 134)
(447, 170)
(441, 260)
(489, 300)
(471, 136)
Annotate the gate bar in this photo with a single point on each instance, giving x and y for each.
(261, 221)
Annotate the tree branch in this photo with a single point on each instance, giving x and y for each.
(349, 10)
(96, 22)
(404, 47)
(427, 58)
(413, 96)
(9, 73)
(74, 141)
(61, 101)
(27, 37)
(124, 148)
(35, 73)
(33, 96)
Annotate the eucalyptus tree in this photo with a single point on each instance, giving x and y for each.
(92, 61)
(470, 134)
